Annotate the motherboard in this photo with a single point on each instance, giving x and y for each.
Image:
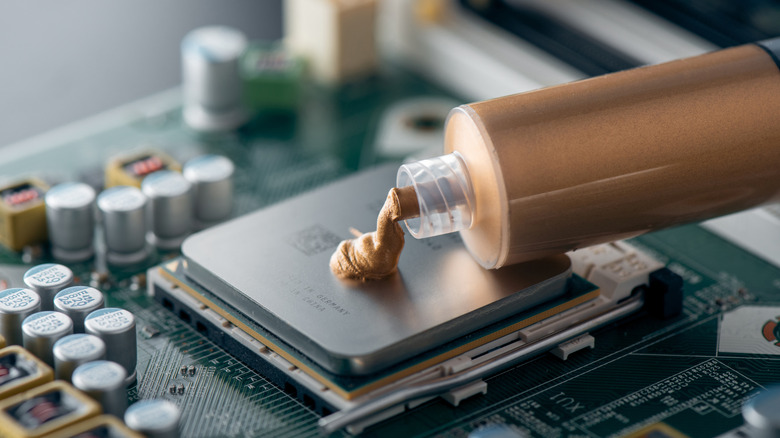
(645, 376)
(243, 329)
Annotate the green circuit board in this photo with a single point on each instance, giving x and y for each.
(683, 376)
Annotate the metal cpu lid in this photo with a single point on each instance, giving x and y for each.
(272, 266)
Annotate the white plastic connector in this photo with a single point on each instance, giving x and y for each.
(456, 365)
(617, 268)
(457, 395)
(566, 349)
(336, 38)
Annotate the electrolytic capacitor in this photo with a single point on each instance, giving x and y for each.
(170, 207)
(74, 350)
(70, 215)
(78, 302)
(104, 381)
(117, 328)
(211, 177)
(16, 305)
(123, 209)
(154, 418)
(47, 280)
(212, 86)
(42, 329)
(762, 415)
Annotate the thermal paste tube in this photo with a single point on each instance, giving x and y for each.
(608, 158)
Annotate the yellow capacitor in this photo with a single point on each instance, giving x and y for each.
(22, 213)
(21, 371)
(130, 169)
(44, 410)
(104, 425)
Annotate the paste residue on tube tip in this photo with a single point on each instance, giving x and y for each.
(375, 255)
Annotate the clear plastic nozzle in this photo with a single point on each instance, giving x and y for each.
(444, 194)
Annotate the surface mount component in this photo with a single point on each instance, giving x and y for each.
(272, 76)
(272, 266)
(22, 213)
(130, 169)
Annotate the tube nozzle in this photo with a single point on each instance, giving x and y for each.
(445, 199)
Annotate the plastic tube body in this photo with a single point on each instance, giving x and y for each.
(619, 155)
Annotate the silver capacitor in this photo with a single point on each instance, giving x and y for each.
(78, 302)
(117, 328)
(123, 209)
(762, 414)
(73, 350)
(48, 279)
(170, 208)
(42, 329)
(70, 216)
(154, 418)
(104, 381)
(211, 177)
(15, 305)
(212, 85)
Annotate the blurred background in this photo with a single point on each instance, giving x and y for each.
(63, 61)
